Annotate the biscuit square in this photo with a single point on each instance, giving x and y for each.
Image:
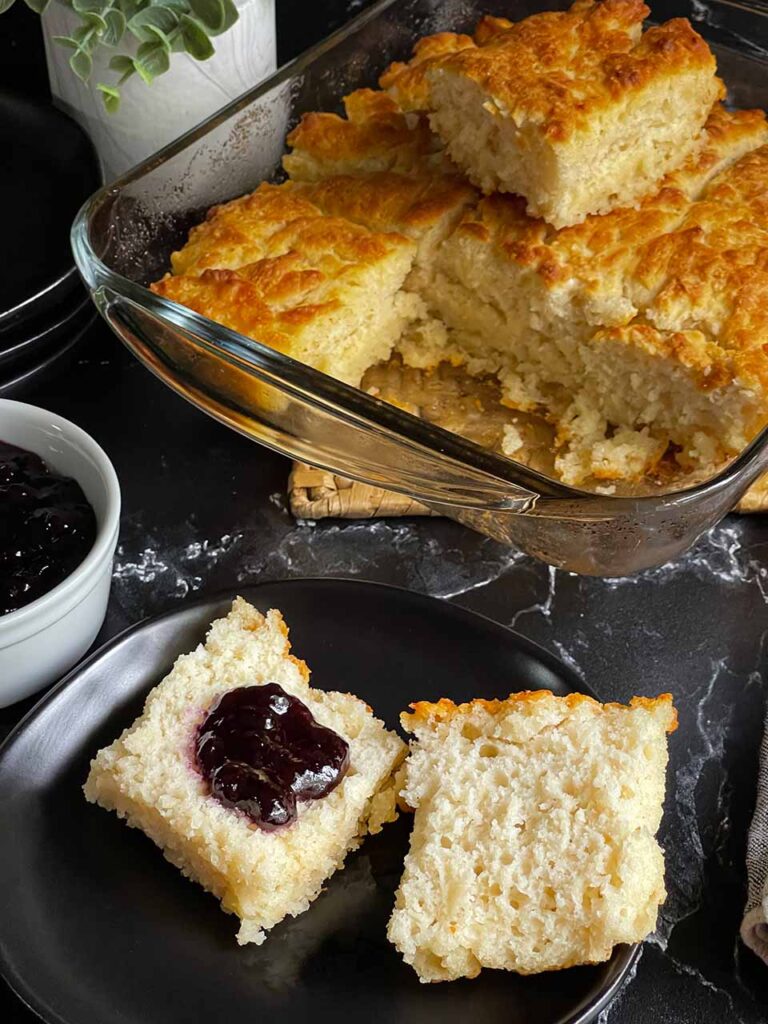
(274, 267)
(533, 842)
(576, 111)
(149, 777)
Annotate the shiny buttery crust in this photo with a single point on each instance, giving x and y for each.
(275, 268)
(274, 221)
(390, 202)
(407, 83)
(423, 207)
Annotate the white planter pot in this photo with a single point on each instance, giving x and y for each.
(152, 116)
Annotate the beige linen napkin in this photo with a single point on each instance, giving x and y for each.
(754, 927)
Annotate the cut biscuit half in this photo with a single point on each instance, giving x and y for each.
(149, 776)
(533, 843)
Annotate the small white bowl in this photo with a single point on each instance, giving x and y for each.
(40, 641)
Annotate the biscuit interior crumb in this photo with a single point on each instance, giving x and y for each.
(533, 843)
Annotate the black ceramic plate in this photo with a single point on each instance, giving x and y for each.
(49, 357)
(21, 348)
(96, 927)
(48, 169)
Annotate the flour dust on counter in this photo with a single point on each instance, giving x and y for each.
(183, 568)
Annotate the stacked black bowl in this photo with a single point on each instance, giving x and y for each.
(47, 170)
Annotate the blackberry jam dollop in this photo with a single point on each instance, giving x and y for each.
(46, 527)
(261, 750)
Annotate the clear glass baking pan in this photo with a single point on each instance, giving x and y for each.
(124, 235)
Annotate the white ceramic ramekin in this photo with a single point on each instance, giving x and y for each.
(40, 641)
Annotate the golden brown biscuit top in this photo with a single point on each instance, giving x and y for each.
(557, 69)
(703, 287)
(232, 299)
(374, 129)
(711, 273)
(271, 262)
(407, 82)
(424, 712)
(274, 298)
(275, 220)
(489, 28)
(605, 247)
(390, 202)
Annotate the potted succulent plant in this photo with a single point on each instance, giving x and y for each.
(138, 73)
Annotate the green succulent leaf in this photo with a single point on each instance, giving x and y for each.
(132, 7)
(81, 64)
(86, 37)
(124, 66)
(210, 13)
(196, 41)
(161, 37)
(116, 24)
(111, 97)
(67, 41)
(152, 59)
(95, 22)
(144, 22)
(38, 6)
(177, 40)
(5, 5)
(90, 6)
(231, 14)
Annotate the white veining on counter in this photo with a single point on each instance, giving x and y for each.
(357, 548)
(692, 972)
(211, 551)
(543, 607)
(718, 555)
(689, 848)
(429, 564)
(145, 568)
(567, 656)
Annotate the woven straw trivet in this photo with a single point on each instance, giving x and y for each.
(316, 494)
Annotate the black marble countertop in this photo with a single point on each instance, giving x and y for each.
(204, 510)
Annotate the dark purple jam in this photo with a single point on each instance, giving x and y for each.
(46, 527)
(261, 750)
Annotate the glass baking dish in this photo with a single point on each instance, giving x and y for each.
(124, 235)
